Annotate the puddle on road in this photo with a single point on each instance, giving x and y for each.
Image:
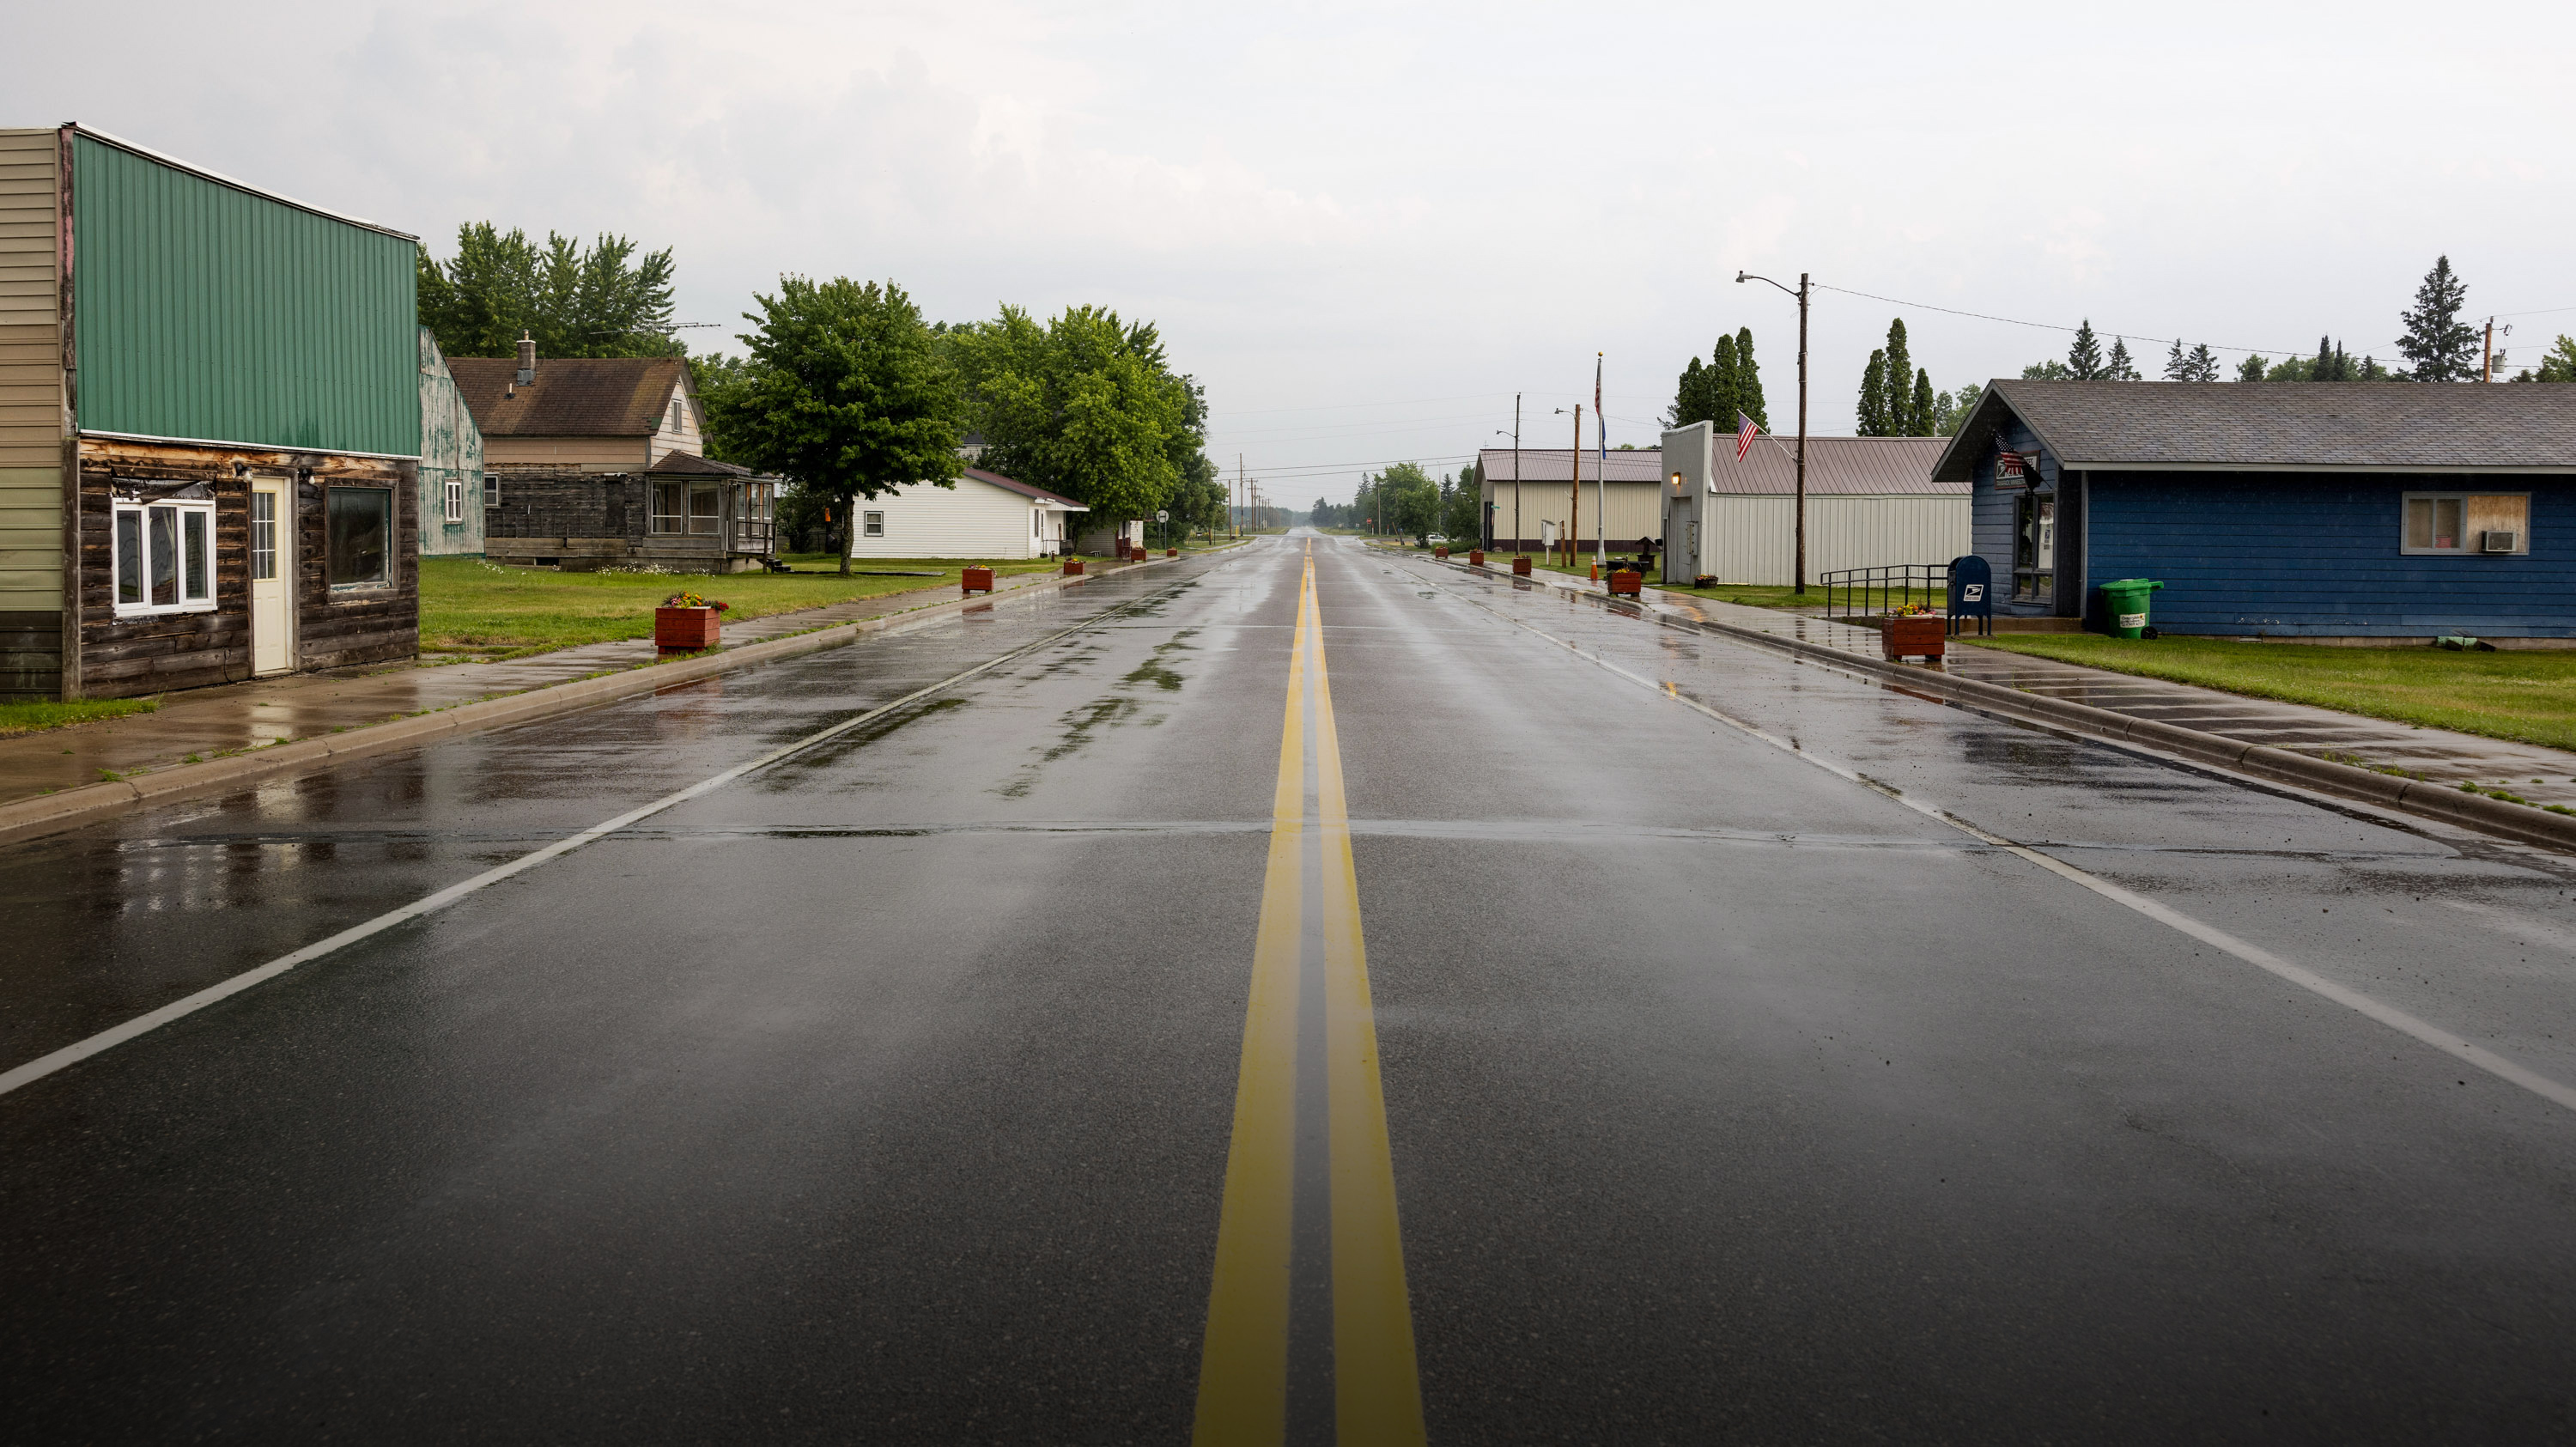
(784, 775)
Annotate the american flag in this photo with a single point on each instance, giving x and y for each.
(1746, 429)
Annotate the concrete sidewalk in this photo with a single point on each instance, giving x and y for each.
(2542, 775)
(205, 722)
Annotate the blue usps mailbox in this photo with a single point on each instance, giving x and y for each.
(1972, 593)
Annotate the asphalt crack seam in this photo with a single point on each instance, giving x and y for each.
(2453, 1045)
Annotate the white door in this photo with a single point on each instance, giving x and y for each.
(272, 566)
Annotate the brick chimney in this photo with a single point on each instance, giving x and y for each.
(527, 358)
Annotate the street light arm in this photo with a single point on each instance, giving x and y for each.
(1743, 276)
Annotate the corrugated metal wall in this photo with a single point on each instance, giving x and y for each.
(1754, 539)
(203, 311)
(450, 447)
(1636, 510)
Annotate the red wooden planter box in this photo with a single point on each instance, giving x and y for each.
(1632, 584)
(1475, 557)
(977, 580)
(1914, 637)
(1171, 552)
(1439, 552)
(686, 627)
(1073, 567)
(1520, 567)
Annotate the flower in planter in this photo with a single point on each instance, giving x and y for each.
(1909, 610)
(692, 600)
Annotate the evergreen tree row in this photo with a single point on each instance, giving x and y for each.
(1729, 384)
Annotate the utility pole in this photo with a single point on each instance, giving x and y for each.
(1801, 295)
(1600, 474)
(1518, 547)
(2486, 370)
(1574, 524)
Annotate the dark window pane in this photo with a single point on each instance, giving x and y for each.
(360, 525)
(129, 556)
(163, 537)
(196, 563)
(263, 535)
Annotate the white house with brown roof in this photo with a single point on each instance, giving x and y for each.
(985, 515)
(1871, 501)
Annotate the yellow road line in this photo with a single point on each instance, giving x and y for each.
(1244, 1366)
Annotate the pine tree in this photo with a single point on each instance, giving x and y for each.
(2120, 368)
(1686, 396)
(2203, 363)
(1900, 383)
(2177, 365)
(1925, 415)
(1725, 380)
(2084, 358)
(1873, 396)
(1748, 383)
(2442, 347)
(2251, 369)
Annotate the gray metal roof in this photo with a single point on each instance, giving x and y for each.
(1553, 464)
(2279, 426)
(1844, 466)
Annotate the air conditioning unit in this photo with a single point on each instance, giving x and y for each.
(2492, 541)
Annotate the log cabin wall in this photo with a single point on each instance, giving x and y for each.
(128, 656)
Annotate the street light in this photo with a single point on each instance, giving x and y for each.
(1801, 295)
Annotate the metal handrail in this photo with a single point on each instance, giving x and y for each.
(1871, 592)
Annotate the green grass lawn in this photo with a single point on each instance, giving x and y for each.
(487, 611)
(2528, 696)
(34, 718)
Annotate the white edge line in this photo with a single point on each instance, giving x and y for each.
(2448, 1043)
(110, 1038)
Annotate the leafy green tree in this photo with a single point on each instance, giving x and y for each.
(2252, 369)
(2120, 367)
(1874, 418)
(1900, 382)
(1084, 405)
(1725, 384)
(2084, 357)
(2558, 364)
(1462, 507)
(602, 300)
(2051, 370)
(1924, 415)
(1690, 396)
(1748, 384)
(1954, 409)
(1410, 501)
(2438, 345)
(843, 395)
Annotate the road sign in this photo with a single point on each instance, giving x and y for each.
(1162, 515)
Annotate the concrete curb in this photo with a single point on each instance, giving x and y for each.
(51, 813)
(2445, 802)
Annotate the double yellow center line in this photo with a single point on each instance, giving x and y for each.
(1310, 1330)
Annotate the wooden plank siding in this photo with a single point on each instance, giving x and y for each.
(2282, 554)
(584, 521)
(32, 415)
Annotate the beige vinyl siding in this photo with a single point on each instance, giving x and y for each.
(1753, 537)
(924, 520)
(565, 454)
(685, 437)
(1636, 510)
(31, 375)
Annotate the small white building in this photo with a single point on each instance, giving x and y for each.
(1871, 501)
(986, 515)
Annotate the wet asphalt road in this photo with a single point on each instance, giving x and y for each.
(885, 1094)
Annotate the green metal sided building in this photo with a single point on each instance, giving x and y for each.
(210, 426)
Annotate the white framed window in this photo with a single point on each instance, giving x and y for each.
(491, 489)
(358, 536)
(263, 536)
(666, 507)
(706, 509)
(162, 553)
(2462, 524)
(455, 498)
(872, 524)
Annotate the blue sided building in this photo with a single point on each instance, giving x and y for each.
(2360, 511)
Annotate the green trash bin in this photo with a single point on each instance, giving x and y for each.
(2124, 603)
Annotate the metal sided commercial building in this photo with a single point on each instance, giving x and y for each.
(2322, 511)
(209, 426)
(1532, 489)
(1871, 501)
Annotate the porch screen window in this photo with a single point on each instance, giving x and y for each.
(358, 535)
(873, 524)
(666, 507)
(2452, 524)
(164, 556)
(263, 536)
(455, 499)
(705, 514)
(2034, 549)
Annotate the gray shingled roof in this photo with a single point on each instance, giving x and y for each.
(2400, 426)
(1554, 464)
(1836, 466)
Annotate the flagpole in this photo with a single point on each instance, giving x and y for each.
(1600, 475)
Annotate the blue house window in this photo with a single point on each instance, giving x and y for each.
(2034, 549)
(2455, 524)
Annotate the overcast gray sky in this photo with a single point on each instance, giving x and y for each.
(1364, 227)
